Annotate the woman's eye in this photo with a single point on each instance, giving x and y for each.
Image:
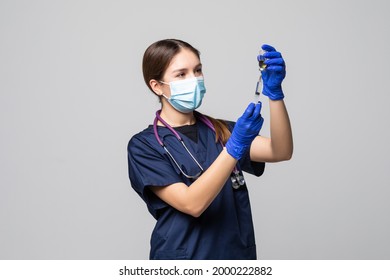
(199, 70)
(180, 75)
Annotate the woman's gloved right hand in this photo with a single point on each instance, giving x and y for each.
(246, 129)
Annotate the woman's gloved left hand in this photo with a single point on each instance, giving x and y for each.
(273, 74)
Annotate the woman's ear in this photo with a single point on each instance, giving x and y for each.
(156, 87)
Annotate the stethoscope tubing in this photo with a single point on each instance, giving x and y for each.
(203, 119)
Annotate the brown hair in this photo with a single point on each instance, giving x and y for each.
(158, 56)
(221, 129)
(156, 60)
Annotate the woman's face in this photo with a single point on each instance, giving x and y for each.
(184, 65)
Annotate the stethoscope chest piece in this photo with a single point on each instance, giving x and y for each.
(237, 180)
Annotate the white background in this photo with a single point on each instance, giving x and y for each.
(72, 95)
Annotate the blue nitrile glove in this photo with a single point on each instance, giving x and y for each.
(273, 74)
(246, 129)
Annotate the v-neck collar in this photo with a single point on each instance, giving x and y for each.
(190, 131)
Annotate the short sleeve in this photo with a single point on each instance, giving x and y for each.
(251, 167)
(149, 168)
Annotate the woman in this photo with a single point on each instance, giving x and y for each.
(187, 167)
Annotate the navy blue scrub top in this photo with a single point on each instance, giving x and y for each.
(225, 228)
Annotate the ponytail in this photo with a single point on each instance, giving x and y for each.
(222, 131)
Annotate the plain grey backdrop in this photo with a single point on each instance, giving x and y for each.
(72, 95)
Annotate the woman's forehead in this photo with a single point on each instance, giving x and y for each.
(184, 59)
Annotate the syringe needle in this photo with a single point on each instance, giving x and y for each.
(259, 86)
(259, 89)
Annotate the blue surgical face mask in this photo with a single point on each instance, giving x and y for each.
(186, 95)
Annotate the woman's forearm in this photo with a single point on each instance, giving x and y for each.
(203, 191)
(195, 199)
(280, 129)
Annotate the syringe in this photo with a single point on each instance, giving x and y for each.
(259, 85)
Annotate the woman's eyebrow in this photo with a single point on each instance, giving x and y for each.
(185, 69)
(179, 70)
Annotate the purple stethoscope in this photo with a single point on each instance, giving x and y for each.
(236, 178)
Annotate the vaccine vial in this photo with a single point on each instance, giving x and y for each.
(259, 85)
(261, 59)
